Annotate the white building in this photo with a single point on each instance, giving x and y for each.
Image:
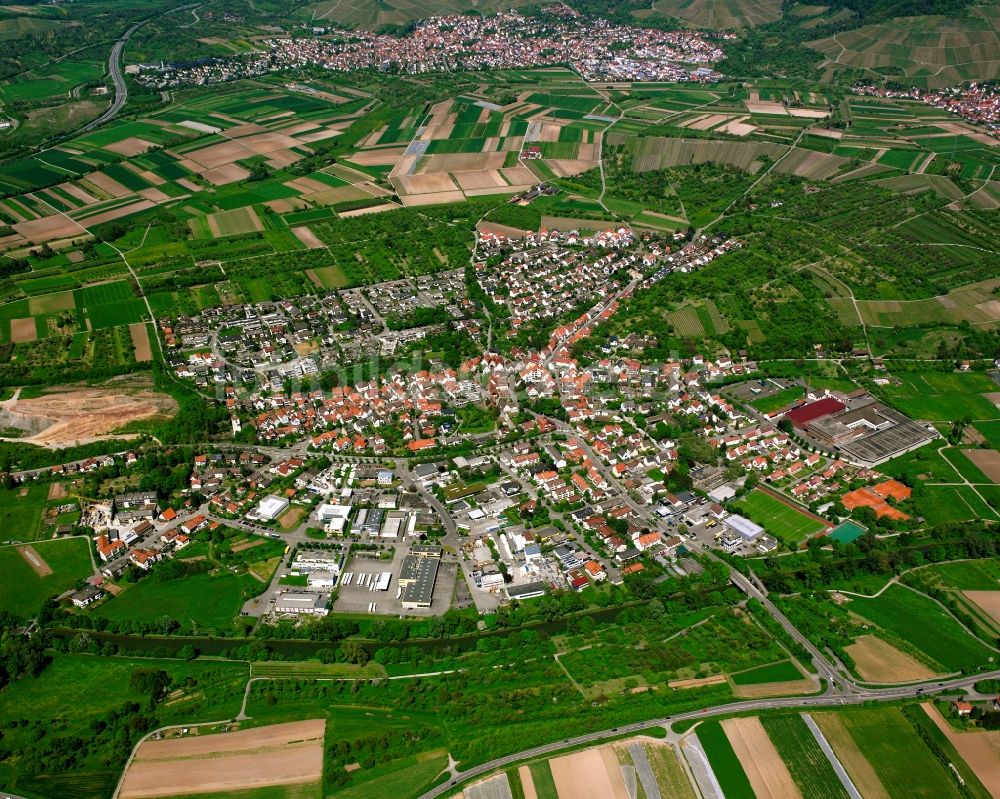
(745, 528)
(321, 579)
(309, 604)
(271, 507)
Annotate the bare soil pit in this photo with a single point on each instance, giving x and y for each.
(78, 415)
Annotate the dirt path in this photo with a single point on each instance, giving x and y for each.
(37, 563)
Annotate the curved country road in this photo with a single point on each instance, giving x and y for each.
(882, 695)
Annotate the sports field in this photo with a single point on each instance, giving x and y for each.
(779, 519)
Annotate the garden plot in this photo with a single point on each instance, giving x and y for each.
(279, 754)
(140, 342)
(23, 329)
(307, 237)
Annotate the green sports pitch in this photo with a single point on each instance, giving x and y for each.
(778, 518)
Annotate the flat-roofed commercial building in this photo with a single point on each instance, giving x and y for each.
(418, 576)
(309, 604)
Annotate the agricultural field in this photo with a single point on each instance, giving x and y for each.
(780, 519)
(32, 573)
(880, 750)
(923, 625)
(974, 587)
(778, 756)
(940, 396)
(68, 697)
(724, 761)
(717, 14)
(932, 51)
(393, 12)
(289, 754)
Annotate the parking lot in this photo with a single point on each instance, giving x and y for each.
(355, 598)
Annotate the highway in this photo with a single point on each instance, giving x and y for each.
(115, 70)
(881, 695)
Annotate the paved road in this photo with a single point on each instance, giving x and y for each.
(115, 70)
(886, 695)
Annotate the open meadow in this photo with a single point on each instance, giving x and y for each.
(31, 574)
(924, 625)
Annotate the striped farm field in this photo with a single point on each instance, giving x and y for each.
(931, 50)
(719, 14)
(725, 764)
(234, 222)
(654, 152)
(896, 753)
(811, 771)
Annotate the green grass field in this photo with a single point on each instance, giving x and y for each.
(541, 776)
(726, 765)
(197, 602)
(778, 518)
(898, 755)
(407, 777)
(23, 592)
(783, 671)
(21, 511)
(922, 623)
(778, 400)
(943, 396)
(940, 504)
(970, 575)
(807, 764)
